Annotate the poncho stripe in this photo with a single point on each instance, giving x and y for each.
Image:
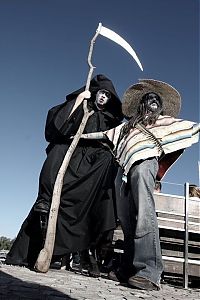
(173, 135)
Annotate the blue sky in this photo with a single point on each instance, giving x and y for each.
(43, 57)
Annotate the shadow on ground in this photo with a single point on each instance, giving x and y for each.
(12, 288)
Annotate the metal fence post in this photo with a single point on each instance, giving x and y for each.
(186, 236)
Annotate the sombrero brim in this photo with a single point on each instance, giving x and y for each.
(170, 97)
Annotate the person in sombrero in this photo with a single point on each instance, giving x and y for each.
(145, 146)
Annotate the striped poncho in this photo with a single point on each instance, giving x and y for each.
(173, 134)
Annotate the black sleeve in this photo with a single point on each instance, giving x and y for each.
(59, 126)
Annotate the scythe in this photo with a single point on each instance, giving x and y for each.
(44, 259)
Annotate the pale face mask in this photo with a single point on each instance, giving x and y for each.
(102, 98)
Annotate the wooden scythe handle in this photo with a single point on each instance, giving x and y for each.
(44, 259)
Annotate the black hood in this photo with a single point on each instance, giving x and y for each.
(102, 82)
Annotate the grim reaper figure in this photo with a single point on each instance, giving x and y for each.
(87, 207)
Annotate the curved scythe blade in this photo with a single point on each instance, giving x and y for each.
(119, 40)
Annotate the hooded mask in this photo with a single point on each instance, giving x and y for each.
(56, 123)
(101, 82)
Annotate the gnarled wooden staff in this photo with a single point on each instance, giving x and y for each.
(44, 259)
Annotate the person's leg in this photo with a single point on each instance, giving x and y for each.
(125, 213)
(147, 258)
(88, 263)
(65, 262)
(105, 251)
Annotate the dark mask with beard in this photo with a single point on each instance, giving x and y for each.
(150, 108)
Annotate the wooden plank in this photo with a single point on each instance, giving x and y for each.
(175, 266)
(175, 204)
(178, 225)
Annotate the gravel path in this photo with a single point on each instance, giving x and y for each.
(18, 283)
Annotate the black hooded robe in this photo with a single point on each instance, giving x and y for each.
(87, 206)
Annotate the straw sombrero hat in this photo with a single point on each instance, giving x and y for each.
(170, 97)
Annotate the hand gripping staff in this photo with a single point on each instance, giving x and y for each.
(44, 259)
